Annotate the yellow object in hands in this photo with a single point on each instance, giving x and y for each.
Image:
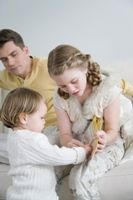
(97, 124)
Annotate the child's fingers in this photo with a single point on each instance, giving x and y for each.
(75, 143)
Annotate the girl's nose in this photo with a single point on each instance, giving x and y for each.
(70, 89)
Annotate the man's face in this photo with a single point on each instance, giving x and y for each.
(14, 58)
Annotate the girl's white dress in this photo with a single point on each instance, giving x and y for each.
(83, 177)
(32, 159)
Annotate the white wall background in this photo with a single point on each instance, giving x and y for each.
(103, 28)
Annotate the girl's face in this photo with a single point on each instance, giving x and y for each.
(72, 81)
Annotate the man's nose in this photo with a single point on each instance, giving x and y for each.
(11, 61)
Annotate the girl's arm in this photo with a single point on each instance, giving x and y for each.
(65, 129)
(110, 131)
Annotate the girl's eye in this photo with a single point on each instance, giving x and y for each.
(74, 81)
(63, 87)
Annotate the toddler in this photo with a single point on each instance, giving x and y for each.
(32, 158)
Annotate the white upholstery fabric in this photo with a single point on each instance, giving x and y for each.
(115, 185)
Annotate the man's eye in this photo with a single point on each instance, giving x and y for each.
(14, 54)
(3, 60)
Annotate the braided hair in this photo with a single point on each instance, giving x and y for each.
(65, 57)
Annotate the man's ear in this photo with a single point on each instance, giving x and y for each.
(23, 118)
(26, 50)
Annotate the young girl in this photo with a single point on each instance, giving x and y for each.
(31, 156)
(89, 104)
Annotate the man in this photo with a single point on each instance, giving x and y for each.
(23, 70)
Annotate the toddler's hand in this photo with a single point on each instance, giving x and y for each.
(88, 150)
(75, 143)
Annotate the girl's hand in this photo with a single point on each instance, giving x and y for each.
(102, 140)
(75, 143)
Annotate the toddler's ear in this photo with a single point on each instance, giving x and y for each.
(23, 118)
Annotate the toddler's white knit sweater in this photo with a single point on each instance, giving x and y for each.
(32, 159)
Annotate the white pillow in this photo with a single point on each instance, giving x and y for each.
(3, 148)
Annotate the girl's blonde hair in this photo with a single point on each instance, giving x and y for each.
(65, 57)
(19, 100)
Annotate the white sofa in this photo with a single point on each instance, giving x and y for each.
(115, 185)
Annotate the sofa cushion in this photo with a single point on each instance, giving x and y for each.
(115, 184)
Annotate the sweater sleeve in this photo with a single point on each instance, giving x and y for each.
(40, 151)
